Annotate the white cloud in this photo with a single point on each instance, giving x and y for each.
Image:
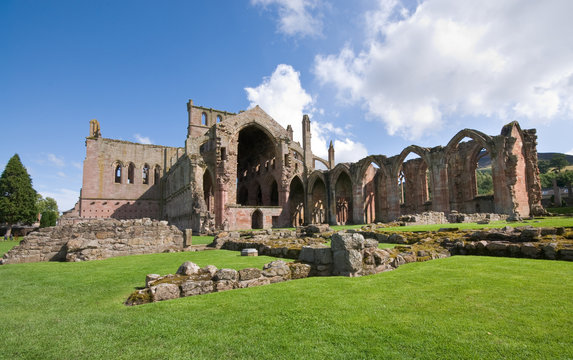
(61, 174)
(142, 139)
(65, 198)
(349, 151)
(57, 161)
(505, 59)
(77, 165)
(296, 17)
(570, 152)
(283, 98)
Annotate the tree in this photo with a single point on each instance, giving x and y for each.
(559, 161)
(543, 166)
(48, 208)
(17, 196)
(484, 182)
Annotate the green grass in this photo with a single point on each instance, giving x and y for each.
(460, 307)
(540, 222)
(5, 246)
(386, 246)
(561, 210)
(201, 240)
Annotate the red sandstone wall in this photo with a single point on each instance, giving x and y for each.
(102, 197)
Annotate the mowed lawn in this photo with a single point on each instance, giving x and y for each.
(460, 307)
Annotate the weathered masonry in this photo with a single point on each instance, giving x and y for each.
(240, 171)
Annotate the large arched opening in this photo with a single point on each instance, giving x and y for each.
(255, 151)
(470, 184)
(414, 181)
(296, 202)
(343, 199)
(318, 206)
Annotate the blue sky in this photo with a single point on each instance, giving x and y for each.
(374, 75)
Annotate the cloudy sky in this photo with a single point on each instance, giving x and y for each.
(374, 75)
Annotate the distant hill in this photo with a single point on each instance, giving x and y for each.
(485, 161)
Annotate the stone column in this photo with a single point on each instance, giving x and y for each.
(439, 173)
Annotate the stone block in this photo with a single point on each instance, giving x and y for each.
(276, 268)
(226, 274)
(249, 274)
(254, 282)
(193, 287)
(188, 268)
(298, 270)
(530, 251)
(149, 278)
(347, 241)
(223, 285)
(164, 292)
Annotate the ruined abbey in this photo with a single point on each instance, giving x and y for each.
(242, 171)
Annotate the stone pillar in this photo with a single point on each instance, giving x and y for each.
(393, 198)
(439, 174)
(331, 156)
(357, 203)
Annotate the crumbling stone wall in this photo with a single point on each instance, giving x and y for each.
(95, 240)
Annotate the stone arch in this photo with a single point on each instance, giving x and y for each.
(117, 171)
(145, 174)
(296, 201)
(254, 147)
(485, 140)
(257, 219)
(418, 150)
(461, 158)
(204, 119)
(410, 183)
(131, 173)
(318, 195)
(343, 198)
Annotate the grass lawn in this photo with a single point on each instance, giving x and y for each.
(201, 239)
(561, 210)
(5, 246)
(460, 307)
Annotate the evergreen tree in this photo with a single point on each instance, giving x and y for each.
(17, 196)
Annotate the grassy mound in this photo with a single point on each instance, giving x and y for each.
(460, 307)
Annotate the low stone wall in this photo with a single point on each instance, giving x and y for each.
(278, 243)
(96, 240)
(190, 280)
(349, 255)
(436, 217)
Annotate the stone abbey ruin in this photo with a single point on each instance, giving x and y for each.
(244, 171)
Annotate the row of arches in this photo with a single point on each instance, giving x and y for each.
(148, 177)
(418, 179)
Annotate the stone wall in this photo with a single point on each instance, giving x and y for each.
(437, 217)
(96, 239)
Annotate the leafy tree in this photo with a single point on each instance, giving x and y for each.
(543, 166)
(48, 207)
(17, 196)
(484, 182)
(559, 161)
